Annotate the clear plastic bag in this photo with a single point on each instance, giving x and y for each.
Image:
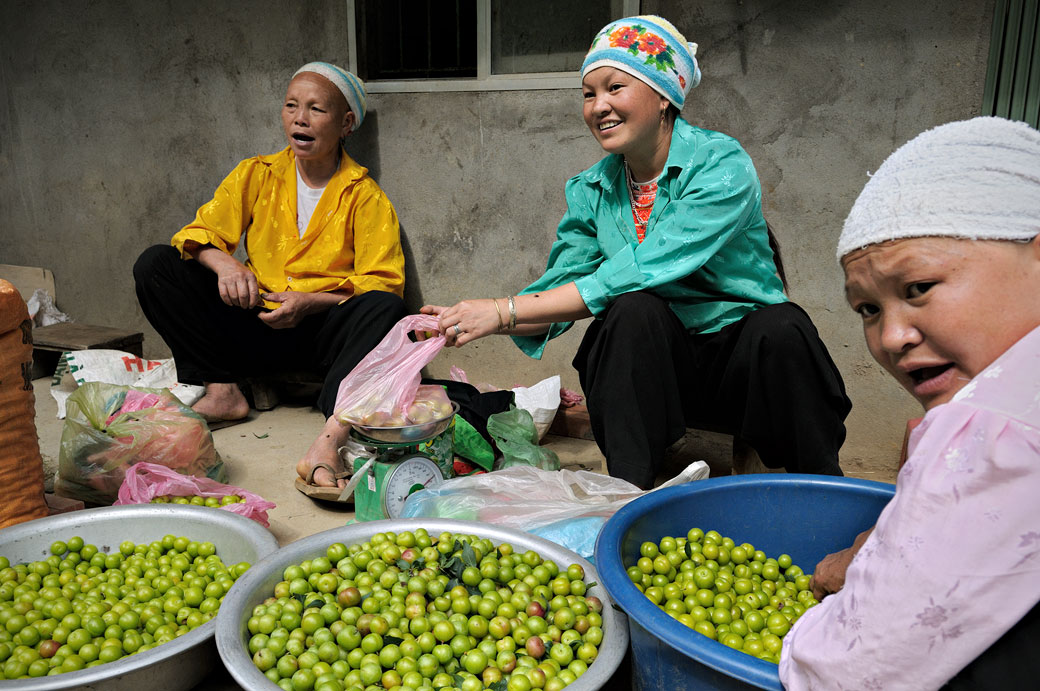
(386, 380)
(566, 506)
(146, 481)
(516, 437)
(108, 428)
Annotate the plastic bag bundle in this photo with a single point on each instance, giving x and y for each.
(541, 400)
(516, 437)
(566, 506)
(146, 481)
(109, 428)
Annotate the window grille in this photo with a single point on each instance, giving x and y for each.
(1013, 74)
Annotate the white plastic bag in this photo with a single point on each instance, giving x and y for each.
(117, 367)
(43, 311)
(542, 401)
(566, 506)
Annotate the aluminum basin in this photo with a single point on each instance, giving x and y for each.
(179, 664)
(258, 584)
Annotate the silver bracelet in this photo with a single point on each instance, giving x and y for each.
(512, 312)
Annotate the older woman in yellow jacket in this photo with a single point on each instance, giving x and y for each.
(324, 274)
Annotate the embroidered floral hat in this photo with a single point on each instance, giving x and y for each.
(651, 50)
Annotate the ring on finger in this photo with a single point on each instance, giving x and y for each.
(457, 330)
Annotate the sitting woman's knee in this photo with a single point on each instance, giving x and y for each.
(782, 320)
(153, 257)
(389, 302)
(639, 306)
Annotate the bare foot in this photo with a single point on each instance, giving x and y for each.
(325, 449)
(222, 402)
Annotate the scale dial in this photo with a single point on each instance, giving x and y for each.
(410, 474)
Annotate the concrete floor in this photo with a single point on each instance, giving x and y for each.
(260, 455)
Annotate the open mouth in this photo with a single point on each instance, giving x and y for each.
(925, 373)
(300, 137)
(604, 126)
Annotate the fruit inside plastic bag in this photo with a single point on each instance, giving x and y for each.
(431, 403)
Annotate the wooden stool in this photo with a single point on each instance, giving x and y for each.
(265, 391)
(572, 422)
(49, 342)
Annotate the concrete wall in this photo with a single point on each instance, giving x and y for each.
(118, 119)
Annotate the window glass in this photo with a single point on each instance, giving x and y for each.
(545, 35)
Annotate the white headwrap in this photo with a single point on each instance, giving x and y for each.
(352, 88)
(975, 179)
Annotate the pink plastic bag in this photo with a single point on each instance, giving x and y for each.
(110, 427)
(458, 374)
(145, 481)
(388, 377)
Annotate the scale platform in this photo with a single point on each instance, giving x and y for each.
(392, 471)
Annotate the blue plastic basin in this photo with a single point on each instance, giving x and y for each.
(806, 516)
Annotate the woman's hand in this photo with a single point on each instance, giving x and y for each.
(829, 575)
(292, 309)
(236, 283)
(468, 320)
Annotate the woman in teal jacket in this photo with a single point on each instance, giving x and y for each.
(664, 243)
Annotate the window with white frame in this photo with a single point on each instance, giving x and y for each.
(474, 45)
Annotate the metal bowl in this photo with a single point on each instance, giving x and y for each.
(407, 434)
(258, 584)
(179, 664)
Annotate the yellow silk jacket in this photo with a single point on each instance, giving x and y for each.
(352, 242)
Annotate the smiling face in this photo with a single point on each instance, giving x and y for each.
(315, 117)
(938, 311)
(624, 113)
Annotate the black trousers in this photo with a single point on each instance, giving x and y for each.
(766, 379)
(214, 342)
(1010, 663)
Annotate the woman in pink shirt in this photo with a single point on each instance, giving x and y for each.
(941, 254)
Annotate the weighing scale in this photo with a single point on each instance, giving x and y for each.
(387, 473)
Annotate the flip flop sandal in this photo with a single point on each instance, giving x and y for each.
(324, 493)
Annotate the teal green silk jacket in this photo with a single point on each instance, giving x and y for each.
(706, 250)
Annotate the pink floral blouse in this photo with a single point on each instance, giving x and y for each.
(954, 561)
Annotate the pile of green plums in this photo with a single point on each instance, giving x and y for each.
(81, 607)
(731, 593)
(412, 611)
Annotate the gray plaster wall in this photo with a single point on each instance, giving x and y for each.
(119, 118)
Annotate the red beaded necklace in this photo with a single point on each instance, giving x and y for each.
(641, 196)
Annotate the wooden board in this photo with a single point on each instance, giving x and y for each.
(27, 279)
(73, 336)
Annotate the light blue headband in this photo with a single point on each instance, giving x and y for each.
(651, 50)
(352, 88)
